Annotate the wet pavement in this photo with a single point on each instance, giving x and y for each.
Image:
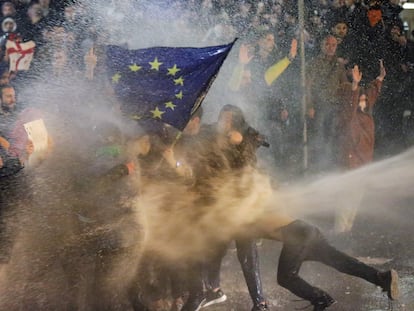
(383, 237)
(384, 241)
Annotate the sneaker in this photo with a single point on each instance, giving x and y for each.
(389, 283)
(194, 303)
(323, 302)
(261, 307)
(213, 297)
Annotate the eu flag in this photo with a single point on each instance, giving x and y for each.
(164, 83)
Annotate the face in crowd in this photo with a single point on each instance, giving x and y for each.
(8, 9)
(8, 25)
(5, 78)
(340, 30)
(267, 43)
(34, 12)
(231, 118)
(395, 32)
(363, 102)
(329, 46)
(8, 99)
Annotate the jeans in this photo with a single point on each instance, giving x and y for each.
(303, 242)
(249, 261)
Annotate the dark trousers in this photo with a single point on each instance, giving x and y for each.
(249, 261)
(303, 242)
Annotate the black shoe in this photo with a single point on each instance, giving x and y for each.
(194, 303)
(389, 283)
(261, 307)
(213, 297)
(323, 302)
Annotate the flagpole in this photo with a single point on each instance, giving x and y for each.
(177, 138)
(301, 11)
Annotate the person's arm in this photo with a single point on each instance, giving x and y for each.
(237, 75)
(374, 88)
(273, 72)
(356, 78)
(348, 93)
(181, 168)
(4, 143)
(9, 165)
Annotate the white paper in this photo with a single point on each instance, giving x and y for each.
(37, 133)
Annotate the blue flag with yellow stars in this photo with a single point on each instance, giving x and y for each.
(163, 83)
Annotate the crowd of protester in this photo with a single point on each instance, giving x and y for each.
(58, 38)
(359, 72)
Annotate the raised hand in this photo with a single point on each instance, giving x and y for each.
(382, 71)
(293, 49)
(90, 60)
(244, 55)
(356, 74)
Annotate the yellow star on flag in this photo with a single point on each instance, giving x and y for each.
(135, 67)
(179, 81)
(116, 77)
(156, 113)
(136, 117)
(170, 105)
(155, 64)
(172, 71)
(179, 95)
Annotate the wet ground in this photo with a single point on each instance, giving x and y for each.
(384, 238)
(385, 241)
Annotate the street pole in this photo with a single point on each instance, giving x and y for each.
(301, 9)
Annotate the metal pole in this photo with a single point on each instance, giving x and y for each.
(301, 9)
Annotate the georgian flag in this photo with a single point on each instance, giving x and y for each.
(20, 54)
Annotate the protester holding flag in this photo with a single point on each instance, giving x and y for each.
(236, 177)
(159, 86)
(241, 142)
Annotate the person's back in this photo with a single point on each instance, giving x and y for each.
(230, 145)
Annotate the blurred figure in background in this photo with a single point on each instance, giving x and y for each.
(325, 74)
(357, 137)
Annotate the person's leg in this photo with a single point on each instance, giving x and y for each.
(179, 287)
(296, 246)
(147, 287)
(305, 242)
(212, 268)
(249, 261)
(195, 284)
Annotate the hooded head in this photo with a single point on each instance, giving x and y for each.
(231, 118)
(8, 25)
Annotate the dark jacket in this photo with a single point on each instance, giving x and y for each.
(11, 165)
